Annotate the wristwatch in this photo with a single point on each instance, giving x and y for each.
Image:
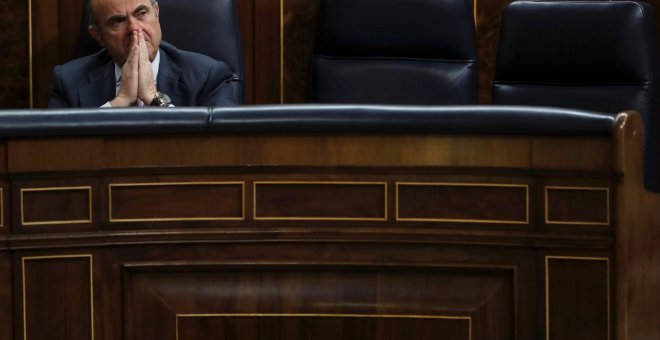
(161, 99)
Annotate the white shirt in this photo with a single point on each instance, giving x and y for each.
(155, 65)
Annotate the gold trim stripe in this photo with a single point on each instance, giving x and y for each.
(547, 205)
(547, 288)
(2, 207)
(51, 257)
(463, 184)
(321, 315)
(53, 222)
(281, 51)
(156, 184)
(294, 218)
(30, 55)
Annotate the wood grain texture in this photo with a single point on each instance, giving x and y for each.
(580, 205)
(56, 154)
(176, 201)
(55, 33)
(463, 202)
(56, 206)
(57, 297)
(488, 21)
(638, 236)
(320, 201)
(300, 20)
(343, 302)
(578, 298)
(6, 305)
(61, 205)
(14, 59)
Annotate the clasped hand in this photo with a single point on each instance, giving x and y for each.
(137, 76)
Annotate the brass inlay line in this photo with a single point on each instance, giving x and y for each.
(547, 205)
(79, 188)
(463, 184)
(156, 184)
(31, 72)
(50, 257)
(295, 218)
(2, 207)
(281, 51)
(323, 315)
(547, 287)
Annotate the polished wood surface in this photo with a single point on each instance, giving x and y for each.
(378, 236)
(638, 236)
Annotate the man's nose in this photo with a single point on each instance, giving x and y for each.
(133, 24)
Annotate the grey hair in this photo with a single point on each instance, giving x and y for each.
(92, 20)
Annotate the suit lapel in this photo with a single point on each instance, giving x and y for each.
(168, 80)
(101, 87)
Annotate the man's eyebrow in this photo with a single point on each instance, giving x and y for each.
(140, 8)
(116, 18)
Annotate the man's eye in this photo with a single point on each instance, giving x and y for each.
(116, 23)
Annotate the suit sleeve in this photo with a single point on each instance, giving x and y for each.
(221, 87)
(57, 96)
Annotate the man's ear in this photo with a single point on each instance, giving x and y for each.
(94, 32)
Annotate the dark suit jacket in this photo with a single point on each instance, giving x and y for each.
(190, 79)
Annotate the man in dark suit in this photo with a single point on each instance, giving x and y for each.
(135, 67)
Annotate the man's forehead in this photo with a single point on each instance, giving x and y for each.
(111, 7)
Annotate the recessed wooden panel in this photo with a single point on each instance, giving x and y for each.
(56, 205)
(58, 298)
(317, 302)
(186, 201)
(463, 202)
(321, 327)
(577, 298)
(577, 205)
(320, 201)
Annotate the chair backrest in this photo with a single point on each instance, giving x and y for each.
(592, 55)
(395, 52)
(207, 27)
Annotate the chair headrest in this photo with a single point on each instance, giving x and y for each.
(577, 42)
(403, 28)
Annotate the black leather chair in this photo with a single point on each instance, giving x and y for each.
(592, 55)
(207, 27)
(395, 52)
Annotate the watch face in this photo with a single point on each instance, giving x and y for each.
(161, 99)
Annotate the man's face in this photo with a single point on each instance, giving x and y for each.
(116, 21)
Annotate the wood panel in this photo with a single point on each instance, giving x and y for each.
(62, 205)
(339, 302)
(578, 297)
(56, 205)
(577, 205)
(463, 202)
(57, 297)
(176, 201)
(347, 201)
